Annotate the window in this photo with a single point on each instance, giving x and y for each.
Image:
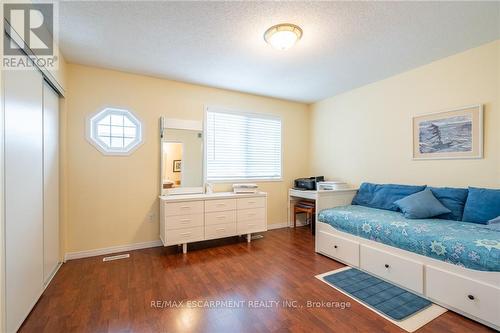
(242, 146)
(115, 131)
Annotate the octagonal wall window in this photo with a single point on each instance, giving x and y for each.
(115, 131)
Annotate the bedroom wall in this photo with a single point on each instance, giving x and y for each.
(109, 198)
(365, 134)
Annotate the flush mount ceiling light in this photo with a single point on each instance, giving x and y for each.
(283, 36)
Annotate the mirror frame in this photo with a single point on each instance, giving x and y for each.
(191, 125)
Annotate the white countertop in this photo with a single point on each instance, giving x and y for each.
(211, 196)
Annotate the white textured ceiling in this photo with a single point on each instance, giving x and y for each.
(345, 44)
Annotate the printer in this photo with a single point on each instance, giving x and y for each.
(307, 183)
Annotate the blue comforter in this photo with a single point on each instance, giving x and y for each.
(470, 245)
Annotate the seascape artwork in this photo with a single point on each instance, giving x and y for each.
(446, 135)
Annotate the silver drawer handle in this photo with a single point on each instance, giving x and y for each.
(220, 204)
(184, 234)
(185, 220)
(220, 217)
(251, 225)
(251, 202)
(251, 214)
(220, 229)
(185, 207)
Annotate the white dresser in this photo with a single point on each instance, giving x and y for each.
(195, 217)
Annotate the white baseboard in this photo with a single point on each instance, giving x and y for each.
(277, 226)
(109, 250)
(284, 225)
(138, 246)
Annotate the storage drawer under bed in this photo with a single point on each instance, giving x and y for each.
(338, 247)
(402, 271)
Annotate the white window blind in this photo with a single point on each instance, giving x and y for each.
(242, 146)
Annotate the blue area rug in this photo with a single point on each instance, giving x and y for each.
(385, 297)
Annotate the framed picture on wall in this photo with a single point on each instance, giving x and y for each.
(177, 166)
(453, 134)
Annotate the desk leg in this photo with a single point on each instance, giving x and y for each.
(294, 220)
(291, 216)
(249, 238)
(288, 220)
(184, 248)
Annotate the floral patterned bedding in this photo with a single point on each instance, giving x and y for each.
(470, 245)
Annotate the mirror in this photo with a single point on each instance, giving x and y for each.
(182, 160)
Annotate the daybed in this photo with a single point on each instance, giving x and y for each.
(453, 263)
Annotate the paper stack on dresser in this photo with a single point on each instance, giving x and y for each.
(332, 185)
(245, 188)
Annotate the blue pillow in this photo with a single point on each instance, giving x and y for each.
(453, 199)
(482, 205)
(421, 205)
(382, 196)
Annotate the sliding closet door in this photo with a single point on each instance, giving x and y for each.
(23, 193)
(50, 182)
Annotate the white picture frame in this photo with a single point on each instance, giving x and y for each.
(449, 134)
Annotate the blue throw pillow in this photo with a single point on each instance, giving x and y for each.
(421, 205)
(482, 205)
(382, 196)
(453, 199)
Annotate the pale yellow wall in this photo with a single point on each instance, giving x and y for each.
(108, 198)
(365, 134)
(62, 77)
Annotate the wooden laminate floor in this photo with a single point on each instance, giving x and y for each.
(144, 293)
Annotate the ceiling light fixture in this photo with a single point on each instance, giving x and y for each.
(283, 36)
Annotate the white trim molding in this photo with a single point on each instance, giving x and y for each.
(111, 249)
(273, 226)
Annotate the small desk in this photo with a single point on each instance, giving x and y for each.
(316, 196)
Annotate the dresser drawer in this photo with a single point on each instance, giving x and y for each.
(183, 221)
(220, 205)
(402, 271)
(220, 230)
(183, 208)
(247, 227)
(461, 293)
(251, 214)
(213, 218)
(180, 236)
(253, 202)
(341, 248)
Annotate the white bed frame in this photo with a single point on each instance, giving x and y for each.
(474, 294)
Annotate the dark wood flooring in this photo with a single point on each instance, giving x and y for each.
(88, 295)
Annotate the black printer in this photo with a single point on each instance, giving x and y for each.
(307, 183)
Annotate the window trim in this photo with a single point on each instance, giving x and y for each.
(139, 140)
(222, 109)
